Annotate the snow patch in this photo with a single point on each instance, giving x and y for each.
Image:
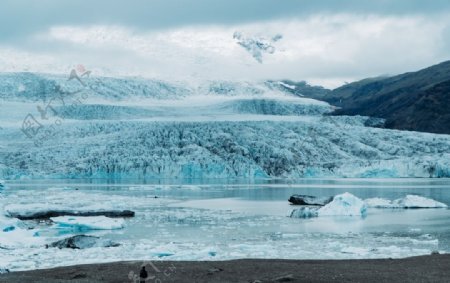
(287, 85)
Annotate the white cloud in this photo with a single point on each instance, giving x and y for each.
(326, 49)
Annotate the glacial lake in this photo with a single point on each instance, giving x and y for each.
(217, 220)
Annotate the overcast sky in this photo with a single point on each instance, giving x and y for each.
(324, 42)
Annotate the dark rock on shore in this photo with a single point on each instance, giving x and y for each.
(309, 200)
(284, 278)
(40, 215)
(82, 242)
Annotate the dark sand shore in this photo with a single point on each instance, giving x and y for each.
(433, 268)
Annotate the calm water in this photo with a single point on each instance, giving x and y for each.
(210, 221)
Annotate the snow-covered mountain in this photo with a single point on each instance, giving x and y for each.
(138, 128)
(257, 45)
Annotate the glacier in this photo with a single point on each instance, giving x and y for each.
(222, 149)
(151, 129)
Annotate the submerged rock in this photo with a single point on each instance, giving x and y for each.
(284, 278)
(82, 242)
(309, 200)
(56, 213)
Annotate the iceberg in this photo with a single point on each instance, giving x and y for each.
(409, 201)
(344, 204)
(415, 201)
(348, 205)
(85, 223)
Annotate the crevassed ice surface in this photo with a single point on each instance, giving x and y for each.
(150, 129)
(218, 222)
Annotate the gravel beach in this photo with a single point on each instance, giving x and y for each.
(432, 268)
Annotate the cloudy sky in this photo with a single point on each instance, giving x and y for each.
(324, 42)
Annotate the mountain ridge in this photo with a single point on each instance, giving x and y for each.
(414, 101)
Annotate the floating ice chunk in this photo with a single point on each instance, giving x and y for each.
(345, 204)
(87, 223)
(414, 201)
(379, 203)
(410, 201)
(348, 205)
(12, 236)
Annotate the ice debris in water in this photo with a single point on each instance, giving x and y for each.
(87, 223)
(347, 204)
